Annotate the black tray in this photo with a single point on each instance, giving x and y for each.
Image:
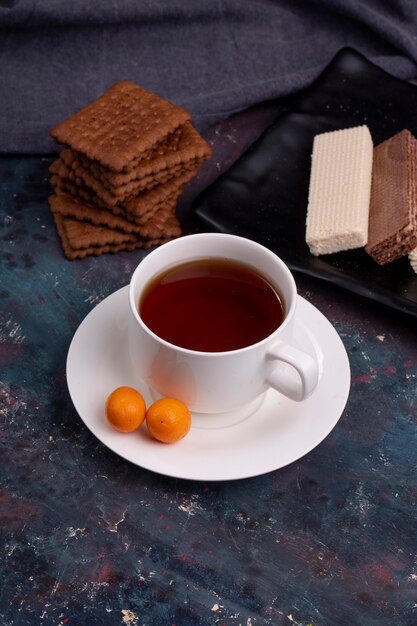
(263, 196)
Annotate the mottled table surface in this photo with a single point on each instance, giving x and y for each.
(88, 538)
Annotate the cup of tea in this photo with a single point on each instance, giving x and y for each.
(212, 324)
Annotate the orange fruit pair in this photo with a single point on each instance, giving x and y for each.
(168, 420)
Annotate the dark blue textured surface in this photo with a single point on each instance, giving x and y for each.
(87, 538)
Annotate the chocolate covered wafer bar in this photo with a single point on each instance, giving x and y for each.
(393, 206)
(340, 185)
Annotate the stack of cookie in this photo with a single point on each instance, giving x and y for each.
(125, 161)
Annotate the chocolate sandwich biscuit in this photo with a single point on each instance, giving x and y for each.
(63, 185)
(138, 210)
(121, 125)
(189, 146)
(143, 202)
(160, 223)
(393, 205)
(80, 239)
(100, 194)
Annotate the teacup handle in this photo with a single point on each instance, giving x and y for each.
(294, 387)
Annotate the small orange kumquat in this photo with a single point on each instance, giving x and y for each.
(125, 409)
(168, 420)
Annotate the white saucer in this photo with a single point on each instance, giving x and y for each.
(278, 432)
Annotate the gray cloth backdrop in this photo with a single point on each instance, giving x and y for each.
(214, 57)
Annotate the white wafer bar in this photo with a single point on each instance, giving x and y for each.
(412, 256)
(339, 193)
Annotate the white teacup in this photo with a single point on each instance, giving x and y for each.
(216, 382)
